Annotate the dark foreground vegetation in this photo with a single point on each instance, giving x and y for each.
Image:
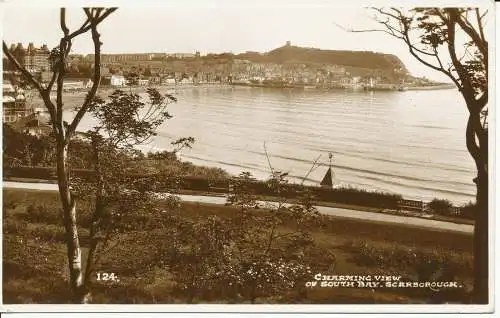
(195, 253)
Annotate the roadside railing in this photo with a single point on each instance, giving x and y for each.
(349, 196)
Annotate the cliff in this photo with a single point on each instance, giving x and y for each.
(354, 59)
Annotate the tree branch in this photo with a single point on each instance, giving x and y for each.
(442, 70)
(60, 88)
(362, 31)
(311, 169)
(86, 26)
(31, 79)
(20, 68)
(478, 39)
(467, 89)
(96, 81)
(403, 34)
(62, 21)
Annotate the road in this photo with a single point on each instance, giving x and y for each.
(337, 212)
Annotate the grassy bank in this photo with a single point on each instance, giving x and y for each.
(35, 264)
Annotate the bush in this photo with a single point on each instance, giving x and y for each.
(440, 206)
(350, 195)
(17, 227)
(468, 210)
(36, 213)
(422, 264)
(50, 233)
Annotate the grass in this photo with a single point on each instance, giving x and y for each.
(35, 264)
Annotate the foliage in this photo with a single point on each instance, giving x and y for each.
(126, 119)
(34, 269)
(256, 254)
(414, 264)
(422, 265)
(24, 156)
(468, 210)
(441, 206)
(37, 213)
(20, 149)
(121, 201)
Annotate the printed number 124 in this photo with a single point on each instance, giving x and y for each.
(107, 276)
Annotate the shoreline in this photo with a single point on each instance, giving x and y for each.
(71, 97)
(431, 88)
(175, 87)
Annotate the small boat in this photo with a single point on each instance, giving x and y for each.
(327, 181)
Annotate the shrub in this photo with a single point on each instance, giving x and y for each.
(468, 210)
(440, 206)
(17, 227)
(50, 233)
(423, 264)
(37, 213)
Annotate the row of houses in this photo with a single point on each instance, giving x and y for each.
(20, 114)
(13, 102)
(127, 57)
(34, 59)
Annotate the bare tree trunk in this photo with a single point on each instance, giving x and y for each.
(481, 241)
(481, 250)
(96, 217)
(69, 214)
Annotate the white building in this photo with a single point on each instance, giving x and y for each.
(8, 87)
(169, 81)
(118, 80)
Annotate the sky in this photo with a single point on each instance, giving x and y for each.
(213, 26)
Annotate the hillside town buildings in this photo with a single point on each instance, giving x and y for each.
(32, 58)
(117, 58)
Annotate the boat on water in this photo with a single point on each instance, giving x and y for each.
(327, 181)
(384, 87)
(371, 86)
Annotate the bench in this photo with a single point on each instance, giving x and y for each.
(411, 205)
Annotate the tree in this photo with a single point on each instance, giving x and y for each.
(453, 41)
(63, 131)
(123, 122)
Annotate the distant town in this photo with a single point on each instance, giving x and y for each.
(287, 66)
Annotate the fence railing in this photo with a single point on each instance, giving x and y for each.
(345, 196)
(422, 206)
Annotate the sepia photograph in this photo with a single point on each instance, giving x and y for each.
(247, 153)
